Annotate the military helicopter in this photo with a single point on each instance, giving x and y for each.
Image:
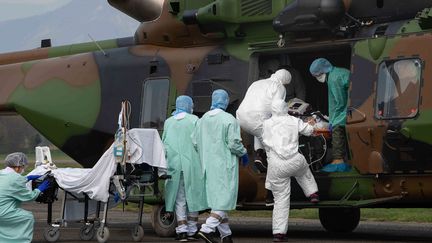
(71, 94)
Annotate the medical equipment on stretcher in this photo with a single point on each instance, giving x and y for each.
(316, 149)
(128, 178)
(50, 194)
(297, 107)
(43, 156)
(129, 183)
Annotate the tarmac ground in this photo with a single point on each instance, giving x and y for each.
(250, 229)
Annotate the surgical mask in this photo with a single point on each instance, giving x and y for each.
(321, 78)
(20, 170)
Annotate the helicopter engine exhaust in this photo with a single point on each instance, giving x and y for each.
(141, 10)
(310, 15)
(324, 15)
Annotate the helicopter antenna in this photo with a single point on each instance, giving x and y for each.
(100, 48)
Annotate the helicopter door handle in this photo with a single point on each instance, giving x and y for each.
(370, 132)
(355, 116)
(362, 140)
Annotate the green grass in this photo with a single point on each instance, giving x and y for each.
(60, 159)
(56, 155)
(134, 207)
(71, 164)
(423, 215)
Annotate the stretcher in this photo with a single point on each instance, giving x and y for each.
(88, 191)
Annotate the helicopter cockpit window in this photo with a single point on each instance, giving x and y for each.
(154, 103)
(398, 89)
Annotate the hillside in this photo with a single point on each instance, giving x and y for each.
(66, 25)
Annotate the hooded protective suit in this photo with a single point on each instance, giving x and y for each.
(217, 138)
(255, 107)
(185, 190)
(280, 136)
(16, 224)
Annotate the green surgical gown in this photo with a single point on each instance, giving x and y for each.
(217, 137)
(182, 157)
(338, 84)
(16, 224)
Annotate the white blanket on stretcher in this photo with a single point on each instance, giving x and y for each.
(144, 145)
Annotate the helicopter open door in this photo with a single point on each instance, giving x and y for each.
(304, 86)
(387, 127)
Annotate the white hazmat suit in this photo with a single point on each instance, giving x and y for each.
(256, 105)
(280, 137)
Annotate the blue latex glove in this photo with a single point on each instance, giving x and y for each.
(245, 159)
(32, 177)
(330, 128)
(116, 197)
(43, 186)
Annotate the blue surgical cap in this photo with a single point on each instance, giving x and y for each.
(184, 103)
(319, 66)
(220, 99)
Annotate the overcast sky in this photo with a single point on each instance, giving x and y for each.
(15, 9)
(24, 23)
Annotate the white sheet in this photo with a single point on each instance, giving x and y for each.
(144, 145)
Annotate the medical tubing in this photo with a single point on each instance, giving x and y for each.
(137, 143)
(126, 111)
(325, 150)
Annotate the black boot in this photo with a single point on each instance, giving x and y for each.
(280, 238)
(269, 201)
(193, 237)
(182, 237)
(261, 160)
(227, 239)
(207, 237)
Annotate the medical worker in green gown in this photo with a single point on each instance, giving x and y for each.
(338, 83)
(185, 191)
(16, 224)
(217, 137)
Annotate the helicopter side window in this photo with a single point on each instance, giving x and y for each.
(154, 103)
(398, 89)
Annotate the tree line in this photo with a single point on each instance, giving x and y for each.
(16, 134)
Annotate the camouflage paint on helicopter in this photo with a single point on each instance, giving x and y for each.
(368, 55)
(72, 94)
(73, 99)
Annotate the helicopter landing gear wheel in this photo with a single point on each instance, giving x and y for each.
(51, 234)
(102, 234)
(137, 233)
(87, 232)
(163, 223)
(340, 220)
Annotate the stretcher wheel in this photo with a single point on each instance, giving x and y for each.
(51, 234)
(137, 233)
(87, 232)
(163, 223)
(102, 234)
